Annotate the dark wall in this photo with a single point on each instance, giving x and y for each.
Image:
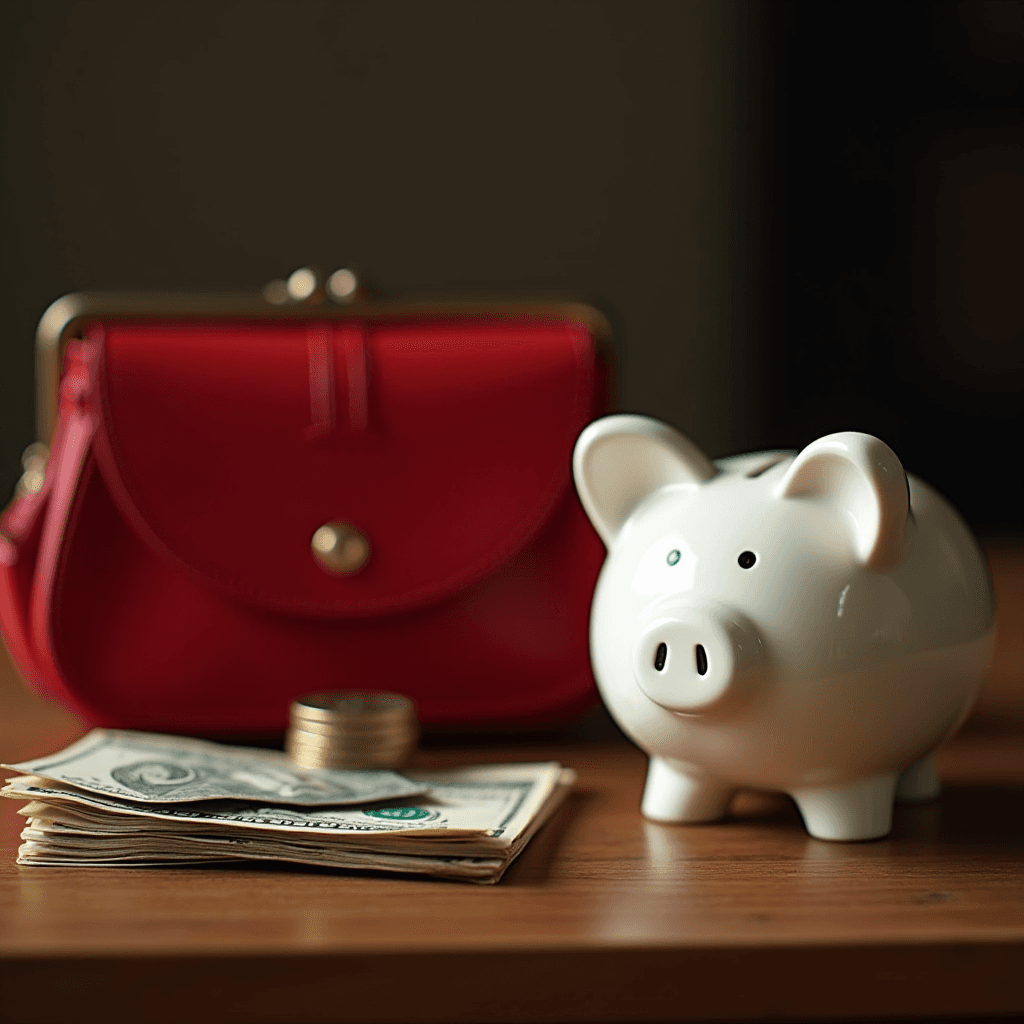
(586, 147)
(801, 216)
(900, 216)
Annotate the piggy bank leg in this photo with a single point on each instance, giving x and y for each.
(856, 810)
(920, 781)
(673, 795)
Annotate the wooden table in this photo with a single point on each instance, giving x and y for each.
(605, 917)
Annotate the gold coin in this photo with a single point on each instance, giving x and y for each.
(350, 742)
(356, 730)
(352, 729)
(389, 758)
(351, 705)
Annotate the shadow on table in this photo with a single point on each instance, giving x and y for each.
(533, 866)
(976, 816)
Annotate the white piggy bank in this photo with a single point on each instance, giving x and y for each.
(813, 624)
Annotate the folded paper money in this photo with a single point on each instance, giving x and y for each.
(135, 799)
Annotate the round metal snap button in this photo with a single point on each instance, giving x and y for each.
(340, 548)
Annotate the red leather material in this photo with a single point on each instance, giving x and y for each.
(228, 446)
(172, 583)
(22, 528)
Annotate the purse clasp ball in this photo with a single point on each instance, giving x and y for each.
(340, 548)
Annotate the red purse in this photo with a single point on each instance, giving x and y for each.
(245, 502)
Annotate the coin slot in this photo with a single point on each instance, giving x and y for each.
(702, 660)
(661, 656)
(763, 467)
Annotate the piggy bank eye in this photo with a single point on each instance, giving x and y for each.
(673, 557)
(747, 559)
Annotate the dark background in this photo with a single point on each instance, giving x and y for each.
(801, 217)
(899, 219)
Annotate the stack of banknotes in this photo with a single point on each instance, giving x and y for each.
(132, 799)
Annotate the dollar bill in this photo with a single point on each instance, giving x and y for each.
(464, 869)
(482, 807)
(465, 824)
(153, 769)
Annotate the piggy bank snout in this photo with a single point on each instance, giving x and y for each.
(693, 662)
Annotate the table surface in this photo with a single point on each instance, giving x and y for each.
(604, 917)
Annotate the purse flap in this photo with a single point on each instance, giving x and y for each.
(446, 444)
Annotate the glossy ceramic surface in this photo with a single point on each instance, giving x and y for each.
(813, 623)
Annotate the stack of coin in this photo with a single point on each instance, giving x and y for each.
(351, 729)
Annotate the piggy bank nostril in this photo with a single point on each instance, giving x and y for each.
(660, 656)
(702, 659)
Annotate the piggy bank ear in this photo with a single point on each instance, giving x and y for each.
(619, 460)
(863, 479)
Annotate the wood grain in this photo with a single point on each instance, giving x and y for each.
(605, 917)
